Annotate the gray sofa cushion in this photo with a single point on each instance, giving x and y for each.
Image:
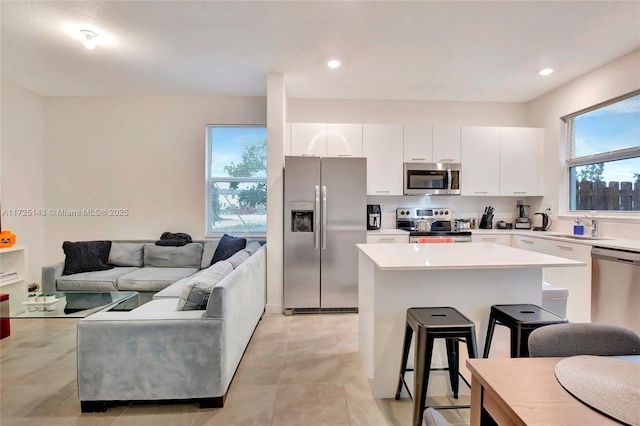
(207, 253)
(126, 254)
(187, 256)
(174, 290)
(93, 281)
(153, 279)
(195, 295)
(252, 247)
(238, 258)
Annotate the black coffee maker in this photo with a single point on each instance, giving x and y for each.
(374, 217)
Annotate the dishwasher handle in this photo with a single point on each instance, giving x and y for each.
(614, 255)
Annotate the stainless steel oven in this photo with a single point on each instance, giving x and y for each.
(432, 178)
(429, 224)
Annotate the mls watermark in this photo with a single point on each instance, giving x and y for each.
(65, 212)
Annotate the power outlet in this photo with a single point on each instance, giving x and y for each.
(549, 208)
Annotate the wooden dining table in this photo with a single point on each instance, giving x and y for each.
(525, 391)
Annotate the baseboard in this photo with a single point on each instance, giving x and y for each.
(273, 308)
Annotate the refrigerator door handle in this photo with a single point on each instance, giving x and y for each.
(316, 230)
(324, 217)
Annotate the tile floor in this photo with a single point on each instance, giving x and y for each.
(297, 370)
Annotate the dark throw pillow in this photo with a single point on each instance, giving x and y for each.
(227, 247)
(86, 256)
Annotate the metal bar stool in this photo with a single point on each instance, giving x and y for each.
(430, 324)
(521, 319)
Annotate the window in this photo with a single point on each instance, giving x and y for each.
(603, 156)
(236, 190)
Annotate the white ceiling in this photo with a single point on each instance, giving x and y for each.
(422, 50)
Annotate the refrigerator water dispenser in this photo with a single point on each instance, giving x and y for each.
(301, 216)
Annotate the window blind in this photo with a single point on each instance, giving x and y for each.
(605, 132)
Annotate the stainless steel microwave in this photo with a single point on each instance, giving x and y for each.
(432, 178)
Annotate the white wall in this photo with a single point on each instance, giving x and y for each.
(144, 154)
(277, 134)
(21, 167)
(609, 81)
(408, 112)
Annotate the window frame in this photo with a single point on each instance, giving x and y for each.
(570, 161)
(208, 230)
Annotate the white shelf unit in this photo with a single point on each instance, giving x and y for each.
(14, 259)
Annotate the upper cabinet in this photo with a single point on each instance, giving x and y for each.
(431, 144)
(344, 140)
(480, 161)
(326, 140)
(446, 144)
(418, 143)
(518, 161)
(501, 161)
(381, 145)
(309, 139)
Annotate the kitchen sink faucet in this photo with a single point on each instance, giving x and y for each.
(593, 225)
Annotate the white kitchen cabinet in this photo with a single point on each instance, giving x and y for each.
(387, 239)
(504, 240)
(529, 243)
(446, 144)
(309, 139)
(575, 279)
(480, 155)
(381, 145)
(518, 161)
(344, 140)
(418, 143)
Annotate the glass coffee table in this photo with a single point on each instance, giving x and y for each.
(70, 304)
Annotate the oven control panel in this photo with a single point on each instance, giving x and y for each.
(440, 213)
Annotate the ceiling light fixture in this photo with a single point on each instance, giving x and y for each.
(89, 39)
(545, 71)
(334, 63)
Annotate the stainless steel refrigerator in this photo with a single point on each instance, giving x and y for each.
(325, 206)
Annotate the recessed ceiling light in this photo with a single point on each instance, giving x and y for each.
(89, 39)
(545, 71)
(334, 63)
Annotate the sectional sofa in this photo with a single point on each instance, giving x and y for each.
(140, 266)
(159, 352)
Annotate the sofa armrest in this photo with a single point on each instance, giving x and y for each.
(149, 356)
(50, 274)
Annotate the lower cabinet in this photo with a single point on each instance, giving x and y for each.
(382, 239)
(575, 279)
(504, 240)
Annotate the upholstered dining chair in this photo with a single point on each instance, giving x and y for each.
(433, 418)
(561, 340)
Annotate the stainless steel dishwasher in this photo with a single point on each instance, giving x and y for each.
(615, 287)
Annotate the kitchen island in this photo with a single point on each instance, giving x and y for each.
(469, 277)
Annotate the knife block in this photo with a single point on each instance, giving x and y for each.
(486, 222)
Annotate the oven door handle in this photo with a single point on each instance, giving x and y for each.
(448, 180)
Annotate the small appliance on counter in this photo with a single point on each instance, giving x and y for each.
(374, 217)
(546, 222)
(486, 222)
(522, 221)
(501, 224)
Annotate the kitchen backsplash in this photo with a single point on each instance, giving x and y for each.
(462, 207)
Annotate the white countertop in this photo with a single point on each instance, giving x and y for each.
(557, 236)
(458, 256)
